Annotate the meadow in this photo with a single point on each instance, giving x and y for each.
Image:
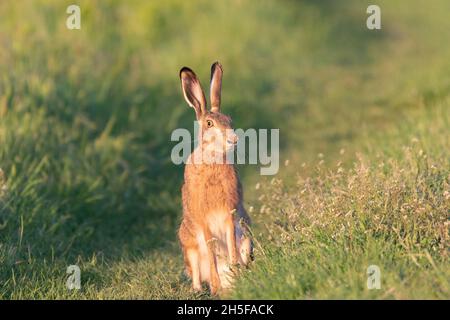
(364, 116)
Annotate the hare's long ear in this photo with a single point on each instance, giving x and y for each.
(216, 86)
(192, 91)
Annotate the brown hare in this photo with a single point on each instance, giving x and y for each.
(214, 231)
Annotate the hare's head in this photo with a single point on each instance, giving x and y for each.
(216, 132)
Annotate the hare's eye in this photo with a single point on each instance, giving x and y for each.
(209, 123)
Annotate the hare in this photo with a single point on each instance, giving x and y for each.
(214, 233)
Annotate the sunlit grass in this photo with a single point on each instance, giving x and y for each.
(323, 232)
(86, 117)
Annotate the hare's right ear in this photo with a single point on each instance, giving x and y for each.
(216, 86)
(192, 91)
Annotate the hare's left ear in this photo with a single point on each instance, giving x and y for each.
(216, 86)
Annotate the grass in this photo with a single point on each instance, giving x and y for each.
(86, 116)
(324, 231)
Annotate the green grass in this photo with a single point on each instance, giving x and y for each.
(85, 123)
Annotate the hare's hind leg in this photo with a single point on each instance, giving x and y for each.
(244, 244)
(191, 257)
(246, 250)
(231, 240)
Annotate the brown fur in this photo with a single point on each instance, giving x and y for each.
(215, 224)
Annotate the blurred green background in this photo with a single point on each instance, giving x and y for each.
(86, 117)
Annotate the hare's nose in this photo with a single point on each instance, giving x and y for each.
(233, 138)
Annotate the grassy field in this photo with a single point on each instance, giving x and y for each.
(364, 118)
